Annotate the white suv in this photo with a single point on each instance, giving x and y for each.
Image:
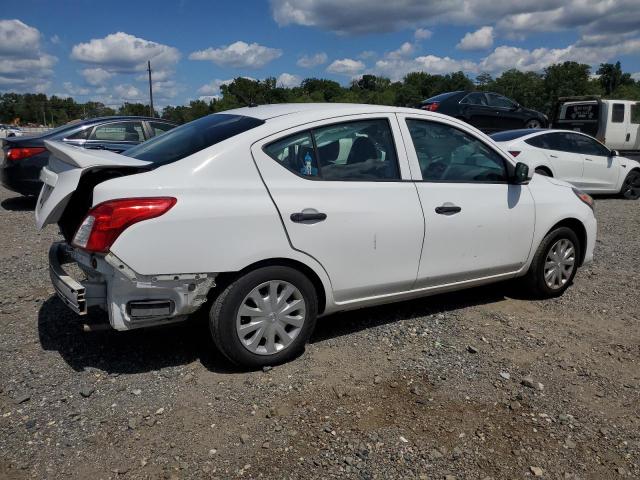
(274, 215)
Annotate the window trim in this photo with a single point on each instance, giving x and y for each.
(508, 167)
(319, 178)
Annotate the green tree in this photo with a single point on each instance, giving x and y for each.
(612, 77)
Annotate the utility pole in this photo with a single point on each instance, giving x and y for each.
(152, 111)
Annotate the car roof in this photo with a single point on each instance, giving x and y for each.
(533, 132)
(266, 112)
(120, 117)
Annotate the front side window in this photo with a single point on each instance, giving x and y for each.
(500, 101)
(447, 154)
(617, 114)
(118, 132)
(475, 98)
(588, 146)
(351, 151)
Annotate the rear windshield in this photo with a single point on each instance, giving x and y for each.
(440, 98)
(580, 112)
(191, 137)
(509, 135)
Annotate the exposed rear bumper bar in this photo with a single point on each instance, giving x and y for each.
(70, 291)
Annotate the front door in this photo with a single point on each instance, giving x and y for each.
(601, 169)
(508, 115)
(341, 189)
(477, 225)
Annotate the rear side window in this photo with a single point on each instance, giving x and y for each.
(617, 114)
(475, 98)
(559, 141)
(540, 141)
(118, 132)
(158, 128)
(192, 137)
(350, 151)
(447, 154)
(635, 113)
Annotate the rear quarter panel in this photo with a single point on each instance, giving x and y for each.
(224, 219)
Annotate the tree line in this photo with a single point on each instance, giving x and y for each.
(538, 91)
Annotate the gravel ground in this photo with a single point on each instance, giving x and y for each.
(478, 384)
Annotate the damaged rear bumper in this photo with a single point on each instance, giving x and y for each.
(132, 300)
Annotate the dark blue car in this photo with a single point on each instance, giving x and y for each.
(22, 157)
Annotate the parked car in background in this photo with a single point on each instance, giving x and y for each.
(616, 123)
(487, 111)
(273, 215)
(22, 158)
(575, 157)
(10, 131)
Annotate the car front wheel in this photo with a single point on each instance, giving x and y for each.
(533, 123)
(554, 264)
(264, 317)
(631, 186)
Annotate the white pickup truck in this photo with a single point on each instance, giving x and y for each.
(616, 123)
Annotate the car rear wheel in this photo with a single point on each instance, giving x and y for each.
(543, 171)
(264, 317)
(631, 186)
(555, 264)
(533, 123)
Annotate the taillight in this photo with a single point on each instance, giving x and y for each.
(514, 153)
(14, 154)
(106, 221)
(431, 107)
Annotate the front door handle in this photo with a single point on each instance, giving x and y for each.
(588, 159)
(448, 210)
(300, 217)
(628, 137)
(553, 156)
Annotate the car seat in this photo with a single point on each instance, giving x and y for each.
(362, 150)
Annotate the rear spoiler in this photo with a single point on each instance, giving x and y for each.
(85, 157)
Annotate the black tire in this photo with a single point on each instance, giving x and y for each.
(631, 186)
(543, 171)
(223, 313)
(533, 123)
(534, 280)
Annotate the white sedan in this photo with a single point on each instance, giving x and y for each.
(272, 216)
(575, 157)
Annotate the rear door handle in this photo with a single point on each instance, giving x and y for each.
(553, 156)
(588, 159)
(448, 210)
(303, 217)
(628, 136)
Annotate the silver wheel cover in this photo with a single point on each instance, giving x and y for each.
(270, 317)
(559, 264)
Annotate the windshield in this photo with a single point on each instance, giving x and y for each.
(192, 137)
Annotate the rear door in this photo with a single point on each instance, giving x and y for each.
(341, 188)
(475, 108)
(563, 155)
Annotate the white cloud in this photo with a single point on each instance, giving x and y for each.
(367, 54)
(287, 80)
(422, 34)
(123, 53)
(23, 64)
(239, 55)
(346, 66)
(96, 76)
(128, 93)
(309, 61)
(55, 39)
(213, 88)
(75, 90)
(481, 39)
(636, 76)
(364, 16)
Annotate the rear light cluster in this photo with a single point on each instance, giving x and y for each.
(514, 153)
(15, 154)
(106, 221)
(431, 107)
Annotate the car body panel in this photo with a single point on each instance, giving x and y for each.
(233, 205)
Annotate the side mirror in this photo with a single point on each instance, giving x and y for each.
(615, 153)
(521, 174)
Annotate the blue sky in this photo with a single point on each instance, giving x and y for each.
(97, 50)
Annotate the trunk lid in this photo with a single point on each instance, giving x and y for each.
(67, 166)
